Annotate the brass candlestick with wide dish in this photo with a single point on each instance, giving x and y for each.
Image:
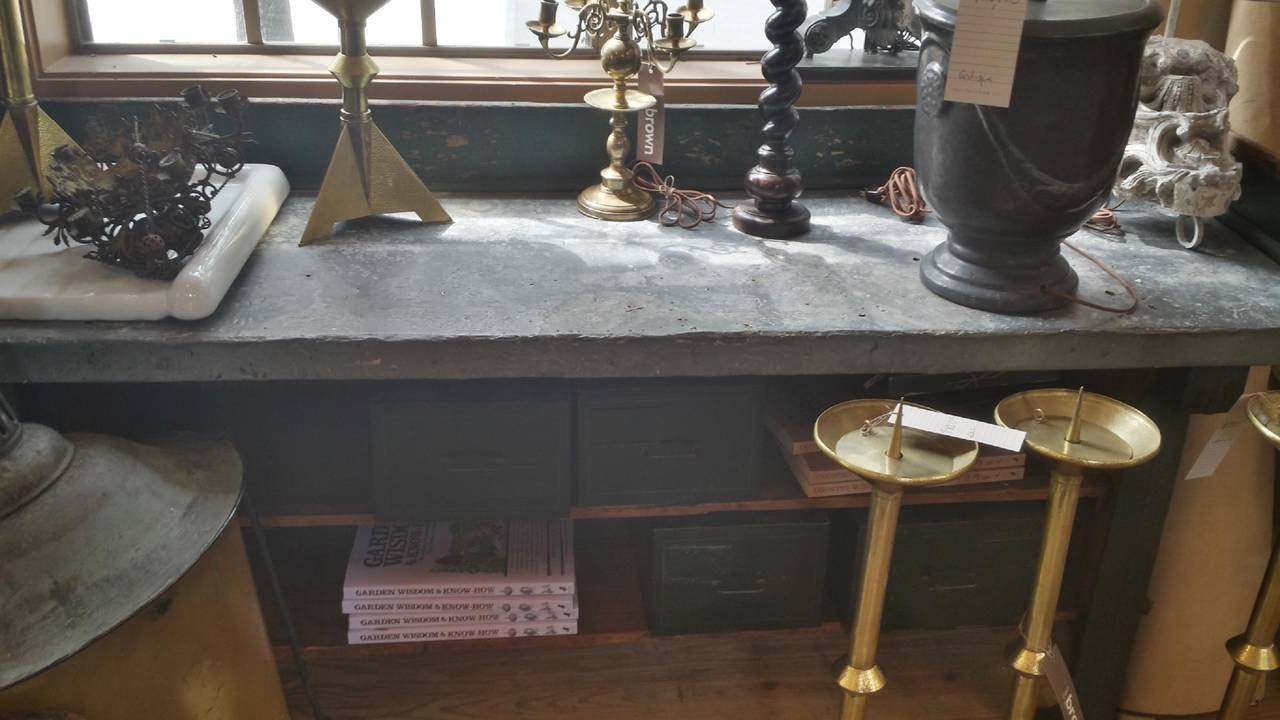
(366, 175)
(1077, 431)
(867, 437)
(1255, 652)
(28, 136)
(665, 38)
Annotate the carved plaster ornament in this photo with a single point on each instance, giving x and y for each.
(1177, 154)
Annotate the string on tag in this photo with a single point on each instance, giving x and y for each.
(680, 208)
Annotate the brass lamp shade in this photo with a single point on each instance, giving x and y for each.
(92, 528)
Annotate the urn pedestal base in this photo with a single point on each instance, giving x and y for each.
(1011, 284)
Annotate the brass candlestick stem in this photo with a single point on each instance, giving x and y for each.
(622, 25)
(366, 175)
(28, 136)
(1076, 430)
(857, 435)
(1255, 652)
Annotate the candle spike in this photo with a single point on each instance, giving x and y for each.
(1073, 430)
(895, 440)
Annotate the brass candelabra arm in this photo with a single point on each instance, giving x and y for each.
(671, 40)
(591, 22)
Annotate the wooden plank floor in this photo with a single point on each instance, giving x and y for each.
(783, 675)
(739, 676)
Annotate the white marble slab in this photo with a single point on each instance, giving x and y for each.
(42, 281)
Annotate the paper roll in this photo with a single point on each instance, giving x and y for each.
(1213, 553)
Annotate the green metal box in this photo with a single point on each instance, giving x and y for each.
(954, 565)
(492, 451)
(736, 571)
(667, 443)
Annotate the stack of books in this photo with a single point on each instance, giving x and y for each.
(460, 581)
(820, 476)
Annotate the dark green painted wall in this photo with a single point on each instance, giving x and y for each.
(507, 147)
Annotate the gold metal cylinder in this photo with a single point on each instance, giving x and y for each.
(1064, 495)
(13, 56)
(1254, 652)
(863, 677)
(198, 651)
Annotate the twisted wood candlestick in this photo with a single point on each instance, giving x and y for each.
(774, 183)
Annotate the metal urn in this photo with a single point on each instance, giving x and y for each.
(125, 591)
(1011, 183)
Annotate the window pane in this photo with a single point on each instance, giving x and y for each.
(164, 21)
(399, 22)
(738, 25)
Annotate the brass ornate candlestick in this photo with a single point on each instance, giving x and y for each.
(1076, 430)
(366, 175)
(621, 55)
(892, 459)
(1255, 652)
(28, 136)
(775, 183)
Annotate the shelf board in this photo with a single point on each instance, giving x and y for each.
(778, 493)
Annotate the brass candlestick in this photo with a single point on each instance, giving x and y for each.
(366, 175)
(1255, 652)
(621, 55)
(891, 458)
(28, 136)
(1076, 430)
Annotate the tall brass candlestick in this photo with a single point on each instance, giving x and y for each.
(28, 136)
(366, 175)
(891, 458)
(1255, 652)
(664, 38)
(1076, 430)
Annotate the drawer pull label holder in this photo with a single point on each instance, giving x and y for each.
(857, 434)
(1076, 430)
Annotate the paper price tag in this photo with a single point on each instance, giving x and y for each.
(653, 122)
(918, 418)
(1222, 440)
(1063, 687)
(984, 51)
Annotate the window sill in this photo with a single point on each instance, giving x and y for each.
(449, 79)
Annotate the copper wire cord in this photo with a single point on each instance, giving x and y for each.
(1105, 221)
(680, 208)
(901, 192)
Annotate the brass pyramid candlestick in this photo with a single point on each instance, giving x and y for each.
(366, 175)
(856, 435)
(1076, 430)
(1255, 652)
(28, 136)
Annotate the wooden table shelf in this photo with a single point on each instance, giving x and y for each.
(777, 493)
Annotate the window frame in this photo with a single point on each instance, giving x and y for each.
(66, 68)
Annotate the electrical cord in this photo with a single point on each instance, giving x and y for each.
(680, 208)
(901, 192)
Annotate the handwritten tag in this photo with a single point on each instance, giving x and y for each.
(653, 121)
(984, 53)
(1222, 440)
(918, 418)
(1063, 687)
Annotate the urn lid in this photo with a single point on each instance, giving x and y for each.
(1063, 18)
